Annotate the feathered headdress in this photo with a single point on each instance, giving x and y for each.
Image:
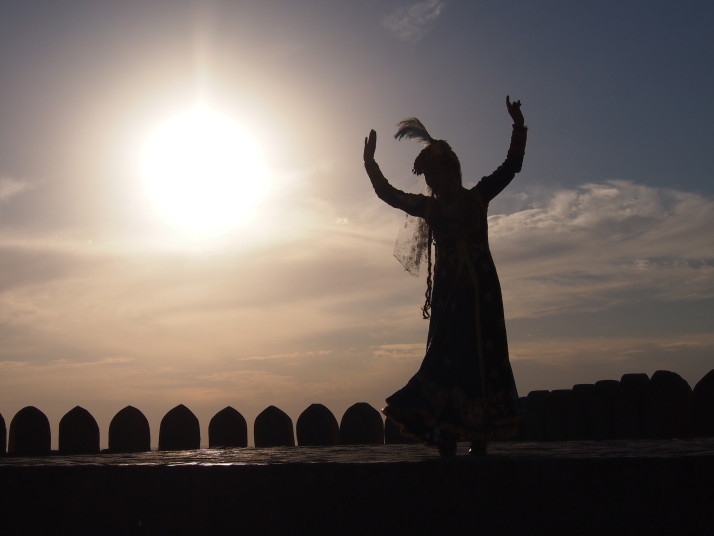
(437, 152)
(412, 129)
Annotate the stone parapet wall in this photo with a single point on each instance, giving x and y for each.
(492, 495)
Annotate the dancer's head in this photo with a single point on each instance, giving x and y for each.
(437, 161)
(440, 166)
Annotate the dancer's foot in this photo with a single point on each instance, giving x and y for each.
(447, 445)
(447, 451)
(478, 448)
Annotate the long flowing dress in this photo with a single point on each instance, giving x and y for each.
(465, 386)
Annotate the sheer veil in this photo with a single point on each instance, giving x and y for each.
(412, 241)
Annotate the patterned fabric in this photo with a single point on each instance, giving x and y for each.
(465, 385)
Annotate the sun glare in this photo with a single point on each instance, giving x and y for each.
(203, 173)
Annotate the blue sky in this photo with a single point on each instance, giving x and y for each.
(603, 242)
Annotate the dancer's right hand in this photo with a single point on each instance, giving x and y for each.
(370, 146)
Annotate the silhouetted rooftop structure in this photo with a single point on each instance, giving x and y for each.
(29, 433)
(228, 429)
(317, 426)
(361, 425)
(668, 406)
(3, 435)
(179, 430)
(273, 428)
(703, 402)
(78, 432)
(129, 431)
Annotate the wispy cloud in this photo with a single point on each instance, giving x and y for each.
(101, 362)
(10, 188)
(412, 23)
(285, 356)
(603, 244)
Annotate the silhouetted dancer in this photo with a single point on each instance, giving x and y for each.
(464, 389)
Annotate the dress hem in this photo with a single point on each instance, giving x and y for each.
(436, 429)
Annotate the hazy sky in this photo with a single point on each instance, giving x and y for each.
(114, 293)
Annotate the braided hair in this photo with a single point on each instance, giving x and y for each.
(426, 308)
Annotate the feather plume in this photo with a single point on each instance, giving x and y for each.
(412, 129)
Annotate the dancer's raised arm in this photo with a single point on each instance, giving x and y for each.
(493, 184)
(413, 204)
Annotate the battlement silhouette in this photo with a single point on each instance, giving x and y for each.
(663, 406)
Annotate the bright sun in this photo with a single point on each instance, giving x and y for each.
(203, 173)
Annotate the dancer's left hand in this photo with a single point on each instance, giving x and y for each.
(514, 110)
